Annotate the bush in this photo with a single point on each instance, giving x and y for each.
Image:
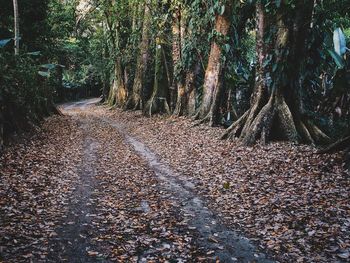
(26, 96)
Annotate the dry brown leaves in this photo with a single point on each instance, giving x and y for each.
(293, 202)
(136, 220)
(129, 217)
(34, 189)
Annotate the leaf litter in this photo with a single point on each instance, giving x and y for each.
(288, 200)
(293, 202)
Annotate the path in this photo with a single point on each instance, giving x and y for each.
(106, 197)
(207, 238)
(99, 185)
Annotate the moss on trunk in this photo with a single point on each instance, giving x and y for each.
(212, 88)
(135, 99)
(158, 102)
(275, 110)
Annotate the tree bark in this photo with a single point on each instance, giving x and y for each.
(118, 92)
(136, 100)
(259, 96)
(16, 19)
(1, 123)
(276, 109)
(181, 97)
(158, 102)
(191, 88)
(212, 87)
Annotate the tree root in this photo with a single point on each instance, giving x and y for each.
(156, 105)
(257, 124)
(340, 145)
(286, 120)
(316, 133)
(56, 110)
(233, 131)
(261, 124)
(132, 104)
(206, 119)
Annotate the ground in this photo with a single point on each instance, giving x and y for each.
(102, 185)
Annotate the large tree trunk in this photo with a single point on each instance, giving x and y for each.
(105, 79)
(1, 123)
(259, 96)
(16, 18)
(275, 110)
(118, 92)
(158, 102)
(136, 100)
(181, 98)
(191, 88)
(212, 88)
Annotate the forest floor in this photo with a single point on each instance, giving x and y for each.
(100, 185)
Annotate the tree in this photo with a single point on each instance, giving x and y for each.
(16, 19)
(178, 31)
(158, 102)
(118, 92)
(136, 99)
(276, 109)
(213, 81)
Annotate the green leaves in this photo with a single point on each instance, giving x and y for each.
(227, 48)
(339, 42)
(44, 74)
(337, 59)
(35, 53)
(46, 68)
(4, 42)
(278, 3)
(222, 10)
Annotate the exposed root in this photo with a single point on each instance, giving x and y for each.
(181, 106)
(196, 116)
(233, 131)
(121, 97)
(137, 105)
(340, 145)
(317, 135)
(57, 111)
(132, 104)
(286, 120)
(304, 133)
(252, 113)
(156, 105)
(262, 122)
(111, 97)
(207, 119)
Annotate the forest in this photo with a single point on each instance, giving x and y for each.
(175, 131)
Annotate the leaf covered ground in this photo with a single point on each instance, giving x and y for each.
(292, 201)
(112, 186)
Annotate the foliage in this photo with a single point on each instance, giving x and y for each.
(26, 95)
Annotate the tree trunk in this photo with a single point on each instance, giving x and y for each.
(212, 87)
(135, 100)
(118, 92)
(1, 123)
(105, 79)
(181, 97)
(275, 110)
(259, 96)
(191, 91)
(158, 101)
(16, 18)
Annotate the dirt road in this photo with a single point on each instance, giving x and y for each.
(118, 203)
(102, 185)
